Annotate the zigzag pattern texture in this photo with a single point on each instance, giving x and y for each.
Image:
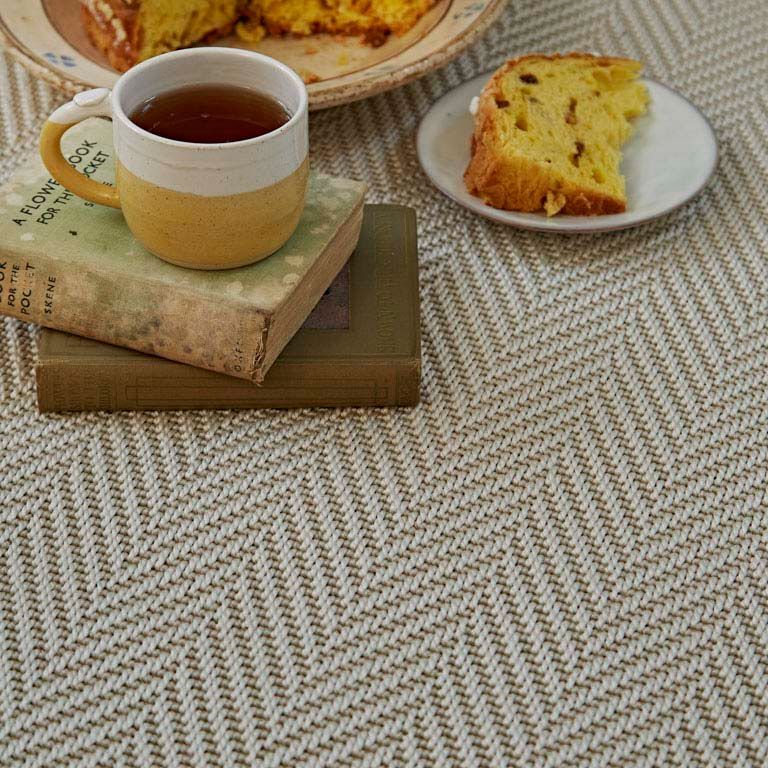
(558, 559)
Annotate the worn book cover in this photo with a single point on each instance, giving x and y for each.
(72, 265)
(359, 347)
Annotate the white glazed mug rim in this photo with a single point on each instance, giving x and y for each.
(140, 69)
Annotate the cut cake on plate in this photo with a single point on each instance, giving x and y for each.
(548, 134)
(130, 31)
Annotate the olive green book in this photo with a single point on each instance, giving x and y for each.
(359, 347)
(74, 266)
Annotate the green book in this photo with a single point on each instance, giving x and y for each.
(359, 347)
(74, 266)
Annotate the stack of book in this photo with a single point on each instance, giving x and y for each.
(332, 319)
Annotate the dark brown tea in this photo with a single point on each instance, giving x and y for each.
(210, 114)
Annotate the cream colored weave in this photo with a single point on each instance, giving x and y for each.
(559, 559)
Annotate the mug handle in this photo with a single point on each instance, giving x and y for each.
(93, 103)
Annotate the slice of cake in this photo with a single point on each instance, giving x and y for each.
(548, 134)
(130, 31)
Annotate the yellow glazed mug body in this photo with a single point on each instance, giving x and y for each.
(207, 206)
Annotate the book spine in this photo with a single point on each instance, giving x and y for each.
(138, 313)
(64, 386)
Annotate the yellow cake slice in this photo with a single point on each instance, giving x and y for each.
(549, 130)
(130, 31)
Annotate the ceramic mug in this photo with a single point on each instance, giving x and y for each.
(207, 206)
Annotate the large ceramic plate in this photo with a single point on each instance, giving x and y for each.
(46, 35)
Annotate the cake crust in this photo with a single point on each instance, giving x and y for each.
(122, 54)
(518, 183)
(122, 42)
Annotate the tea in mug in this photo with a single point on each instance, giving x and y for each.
(210, 114)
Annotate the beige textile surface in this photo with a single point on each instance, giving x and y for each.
(560, 558)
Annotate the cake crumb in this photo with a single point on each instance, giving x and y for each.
(250, 31)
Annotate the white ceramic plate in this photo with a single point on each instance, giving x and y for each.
(47, 36)
(667, 162)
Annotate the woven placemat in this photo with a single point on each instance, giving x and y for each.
(558, 559)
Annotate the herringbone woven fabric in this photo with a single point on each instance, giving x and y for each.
(559, 559)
